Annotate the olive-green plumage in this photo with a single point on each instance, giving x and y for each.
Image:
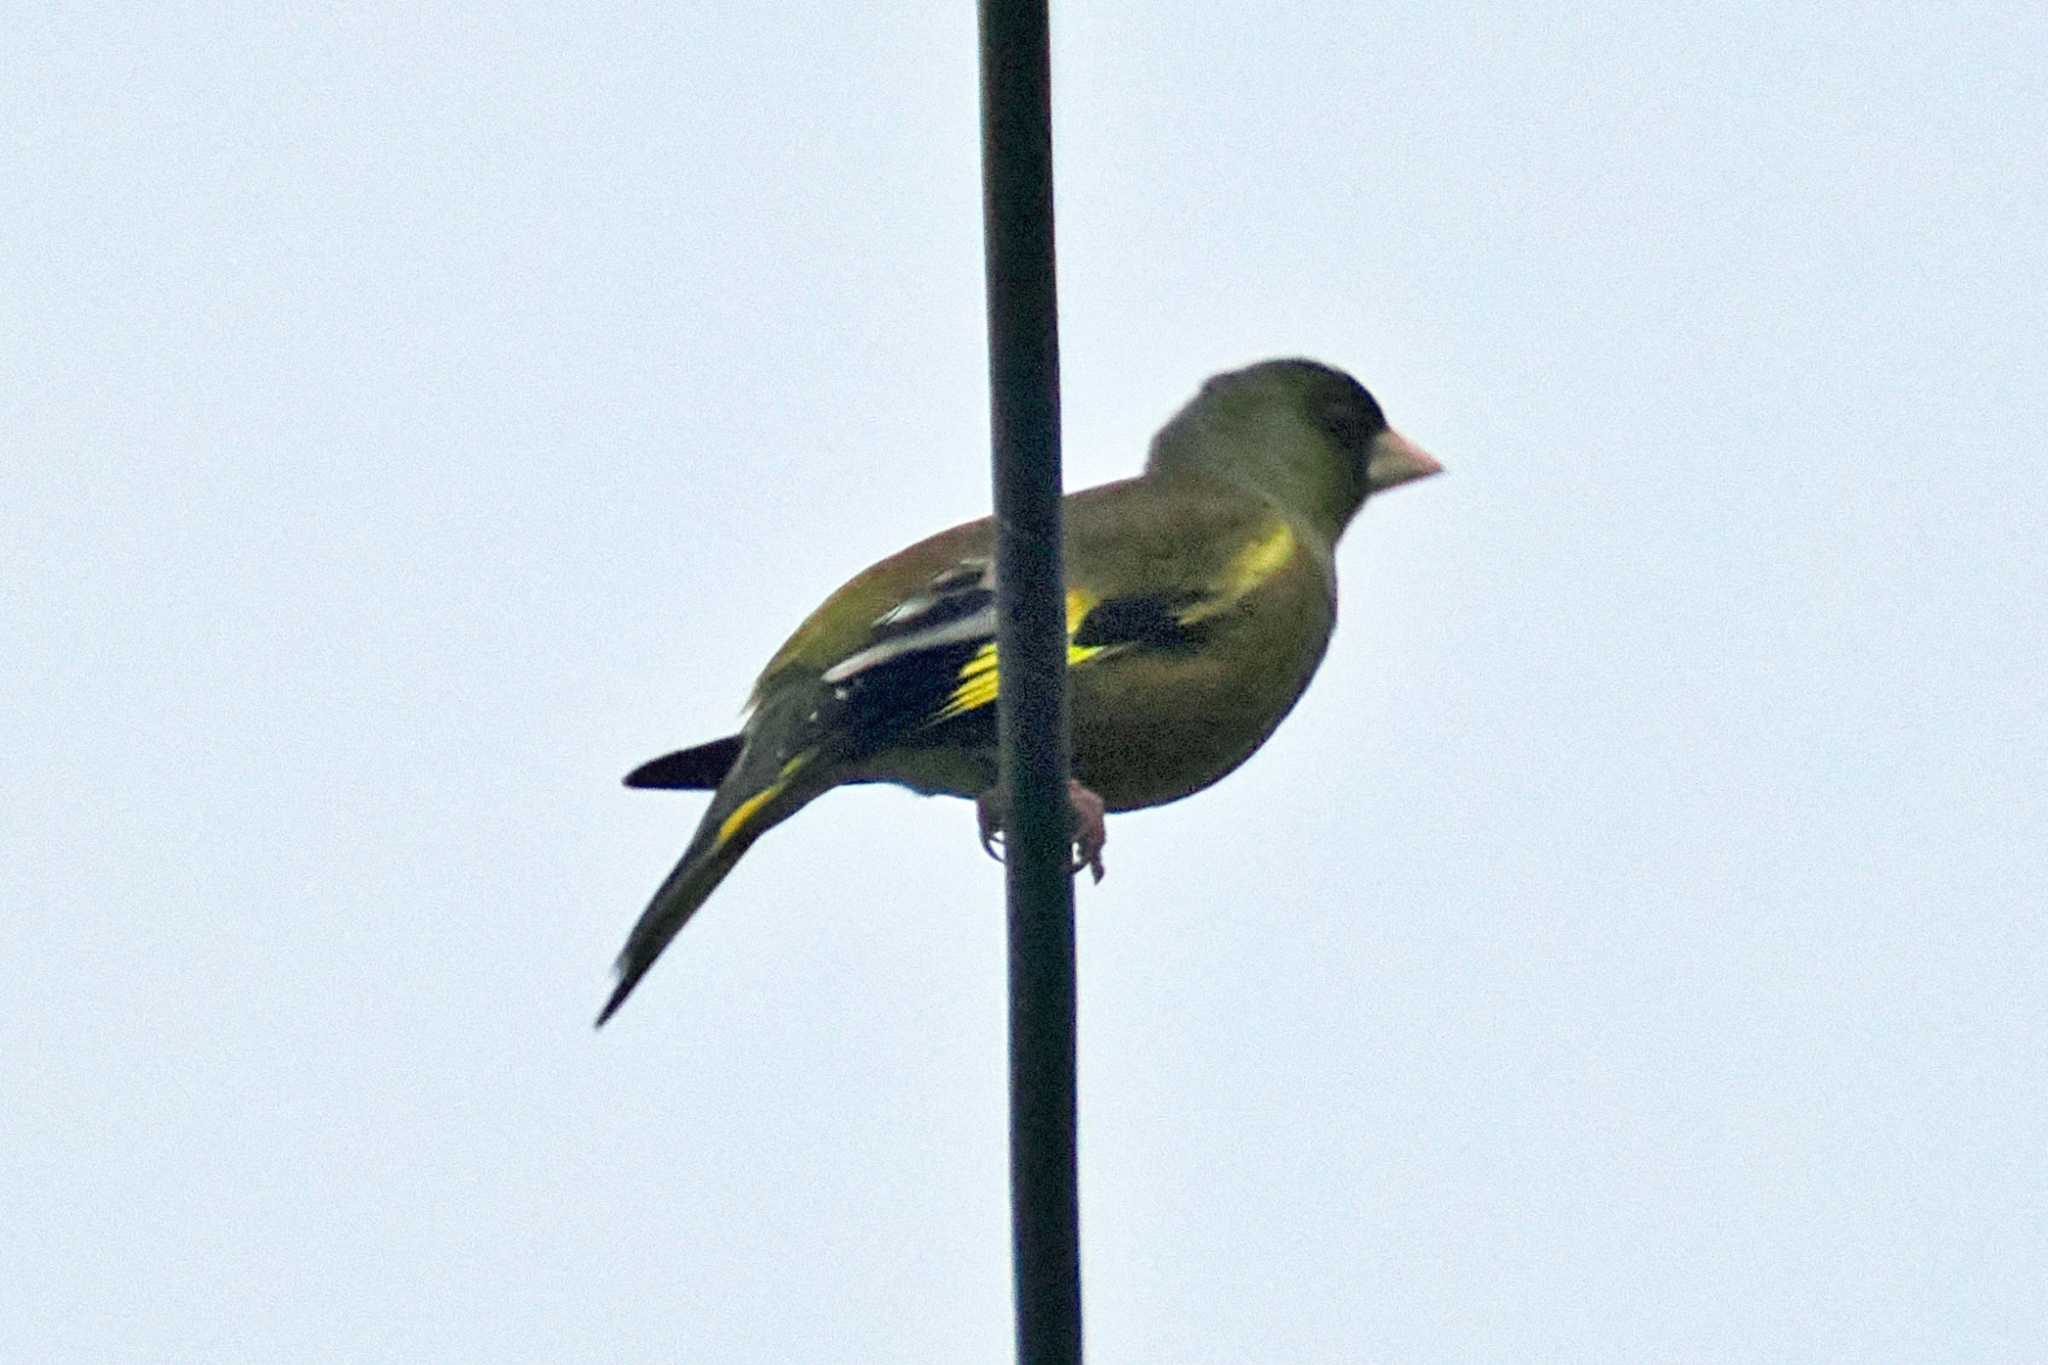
(1201, 596)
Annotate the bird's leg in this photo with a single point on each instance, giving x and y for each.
(1086, 811)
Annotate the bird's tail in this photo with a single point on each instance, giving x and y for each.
(757, 795)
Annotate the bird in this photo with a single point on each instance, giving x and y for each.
(1201, 596)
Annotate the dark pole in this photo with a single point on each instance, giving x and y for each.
(1031, 641)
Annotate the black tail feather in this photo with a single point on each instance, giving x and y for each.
(700, 768)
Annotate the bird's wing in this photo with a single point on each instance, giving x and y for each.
(935, 666)
(905, 654)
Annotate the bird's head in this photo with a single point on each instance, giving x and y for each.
(1308, 436)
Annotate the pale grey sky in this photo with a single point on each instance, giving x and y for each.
(1632, 949)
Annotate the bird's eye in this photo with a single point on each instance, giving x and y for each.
(1346, 425)
(1350, 415)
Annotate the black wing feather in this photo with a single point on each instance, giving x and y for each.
(892, 699)
(1149, 619)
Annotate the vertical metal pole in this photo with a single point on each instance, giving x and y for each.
(1031, 707)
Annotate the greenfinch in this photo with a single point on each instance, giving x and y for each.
(1200, 598)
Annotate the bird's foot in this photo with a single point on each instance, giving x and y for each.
(1086, 809)
(1091, 831)
(988, 820)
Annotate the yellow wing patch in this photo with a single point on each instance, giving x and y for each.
(977, 686)
(1261, 559)
(1254, 564)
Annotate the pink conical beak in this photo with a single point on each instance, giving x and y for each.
(1396, 460)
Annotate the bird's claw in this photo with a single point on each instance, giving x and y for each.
(1090, 829)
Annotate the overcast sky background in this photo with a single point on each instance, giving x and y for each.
(1632, 948)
